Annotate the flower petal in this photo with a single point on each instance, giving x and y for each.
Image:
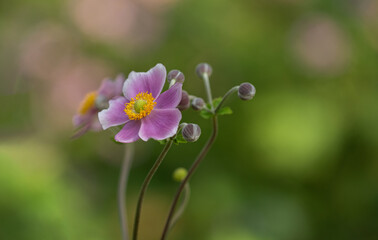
(80, 120)
(114, 115)
(151, 82)
(110, 88)
(129, 132)
(160, 124)
(170, 98)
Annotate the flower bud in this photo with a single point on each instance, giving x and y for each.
(198, 103)
(191, 132)
(185, 102)
(175, 75)
(203, 68)
(246, 91)
(179, 174)
(101, 102)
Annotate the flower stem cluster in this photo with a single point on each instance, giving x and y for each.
(138, 109)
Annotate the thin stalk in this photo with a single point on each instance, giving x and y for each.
(208, 90)
(182, 206)
(145, 185)
(122, 184)
(231, 91)
(192, 169)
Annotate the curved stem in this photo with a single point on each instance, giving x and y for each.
(146, 182)
(122, 184)
(192, 169)
(231, 91)
(182, 207)
(208, 90)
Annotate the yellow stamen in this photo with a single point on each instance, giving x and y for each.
(88, 102)
(140, 106)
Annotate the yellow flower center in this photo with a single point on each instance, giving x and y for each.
(140, 106)
(88, 102)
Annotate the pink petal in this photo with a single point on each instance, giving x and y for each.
(151, 82)
(111, 89)
(170, 98)
(80, 120)
(129, 132)
(115, 114)
(160, 124)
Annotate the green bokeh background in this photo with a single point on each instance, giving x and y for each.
(299, 161)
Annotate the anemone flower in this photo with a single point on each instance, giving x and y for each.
(144, 112)
(86, 117)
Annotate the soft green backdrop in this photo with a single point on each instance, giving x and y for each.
(299, 161)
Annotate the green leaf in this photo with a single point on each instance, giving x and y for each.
(162, 141)
(205, 114)
(179, 139)
(224, 111)
(216, 102)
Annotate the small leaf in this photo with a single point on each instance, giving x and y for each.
(216, 102)
(225, 111)
(162, 141)
(180, 139)
(205, 114)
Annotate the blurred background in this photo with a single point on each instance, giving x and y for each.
(299, 161)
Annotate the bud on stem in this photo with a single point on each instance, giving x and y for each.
(191, 132)
(198, 104)
(246, 91)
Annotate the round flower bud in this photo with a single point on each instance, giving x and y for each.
(191, 132)
(101, 102)
(185, 102)
(175, 75)
(246, 91)
(179, 174)
(198, 103)
(203, 68)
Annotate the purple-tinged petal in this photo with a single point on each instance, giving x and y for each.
(111, 89)
(96, 125)
(160, 124)
(115, 114)
(80, 120)
(129, 132)
(151, 82)
(170, 98)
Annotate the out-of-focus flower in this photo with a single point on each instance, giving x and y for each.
(45, 50)
(86, 118)
(125, 23)
(144, 112)
(319, 44)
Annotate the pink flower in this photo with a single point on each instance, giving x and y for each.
(86, 118)
(145, 112)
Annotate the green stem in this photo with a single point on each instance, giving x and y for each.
(122, 184)
(182, 206)
(231, 91)
(192, 169)
(145, 185)
(208, 90)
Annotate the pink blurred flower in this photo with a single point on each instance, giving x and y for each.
(320, 45)
(86, 118)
